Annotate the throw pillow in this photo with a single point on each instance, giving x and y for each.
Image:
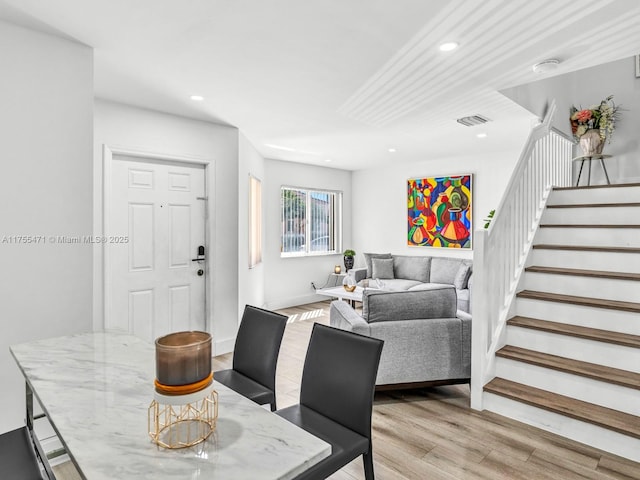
(367, 260)
(382, 268)
(462, 276)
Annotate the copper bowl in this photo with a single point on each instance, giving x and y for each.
(349, 288)
(183, 358)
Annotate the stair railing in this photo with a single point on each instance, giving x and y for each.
(501, 250)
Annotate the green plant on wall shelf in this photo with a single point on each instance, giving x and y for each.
(488, 219)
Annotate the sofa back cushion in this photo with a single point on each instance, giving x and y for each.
(382, 268)
(367, 260)
(444, 270)
(382, 306)
(412, 267)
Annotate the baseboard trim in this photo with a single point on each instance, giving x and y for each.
(294, 301)
(223, 346)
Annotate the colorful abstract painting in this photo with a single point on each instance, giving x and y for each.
(439, 212)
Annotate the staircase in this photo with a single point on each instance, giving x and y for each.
(571, 359)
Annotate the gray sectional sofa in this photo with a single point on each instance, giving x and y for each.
(413, 272)
(423, 314)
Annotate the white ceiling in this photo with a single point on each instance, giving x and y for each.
(343, 80)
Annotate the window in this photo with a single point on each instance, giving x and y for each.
(255, 221)
(311, 221)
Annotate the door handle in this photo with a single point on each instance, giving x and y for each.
(200, 257)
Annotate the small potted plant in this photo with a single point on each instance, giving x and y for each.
(348, 258)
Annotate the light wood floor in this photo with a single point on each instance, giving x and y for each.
(432, 434)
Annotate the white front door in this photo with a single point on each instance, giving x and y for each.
(156, 228)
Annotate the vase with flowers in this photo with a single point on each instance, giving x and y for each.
(594, 126)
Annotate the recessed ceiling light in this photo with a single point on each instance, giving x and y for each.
(481, 135)
(328, 160)
(546, 66)
(197, 98)
(448, 46)
(392, 150)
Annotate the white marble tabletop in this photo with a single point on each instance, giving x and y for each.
(96, 390)
(340, 293)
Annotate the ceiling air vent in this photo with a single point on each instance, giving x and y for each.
(473, 120)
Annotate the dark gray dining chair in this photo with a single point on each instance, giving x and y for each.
(255, 356)
(336, 397)
(18, 460)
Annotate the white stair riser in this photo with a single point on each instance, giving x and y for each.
(592, 215)
(607, 261)
(610, 237)
(581, 388)
(594, 195)
(577, 430)
(601, 353)
(611, 289)
(602, 318)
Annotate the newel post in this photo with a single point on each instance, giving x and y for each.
(480, 315)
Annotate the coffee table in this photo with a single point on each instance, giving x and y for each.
(341, 294)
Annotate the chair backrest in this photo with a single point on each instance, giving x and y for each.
(339, 376)
(258, 344)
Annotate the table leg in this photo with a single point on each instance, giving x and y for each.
(29, 406)
(589, 177)
(605, 171)
(42, 456)
(580, 172)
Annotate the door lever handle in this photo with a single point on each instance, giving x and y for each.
(198, 259)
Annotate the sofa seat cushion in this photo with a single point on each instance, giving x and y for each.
(429, 286)
(396, 284)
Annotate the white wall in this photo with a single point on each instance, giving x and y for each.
(588, 87)
(131, 128)
(250, 280)
(288, 280)
(380, 200)
(46, 93)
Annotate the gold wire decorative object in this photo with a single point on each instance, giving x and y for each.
(181, 421)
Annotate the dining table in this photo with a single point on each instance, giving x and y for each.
(96, 389)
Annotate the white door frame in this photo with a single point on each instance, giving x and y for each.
(102, 254)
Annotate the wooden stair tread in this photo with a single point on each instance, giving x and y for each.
(596, 334)
(615, 185)
(596, 205)
(587, 225)
(582, 248)
(584, 301)
(585, 273)
(594, 371)
(587, 412)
